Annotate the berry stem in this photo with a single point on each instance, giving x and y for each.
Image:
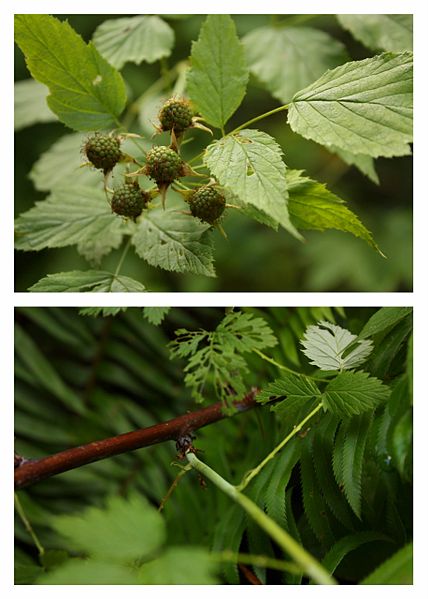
(122, 258)
(259, 118)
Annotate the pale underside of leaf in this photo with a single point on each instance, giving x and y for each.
(30, 104)
(80, 216)
(90, 280)
(250, 164)
(326, 346)
(136, 39)
(362, 107)
(393, 33)
(175, 242)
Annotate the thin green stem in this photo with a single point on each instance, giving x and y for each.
(261, 561)
(259, 118)
(283, 367)
(27, 524)
(298, 427)
(122, 258)
(304, 559)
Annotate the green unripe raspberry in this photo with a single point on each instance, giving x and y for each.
(103, 151)
(129, 200)
(207, 204)
(163, 165)
(175, 114)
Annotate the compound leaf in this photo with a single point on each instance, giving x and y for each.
(134, 39)
(286, 59)
(79, 215)
(362, 107)
(313, 206)
(217, 80)
(330, 347)
(393, 33)
(174, 241)
(294, 387)
(123, 531)
(30, 104)
(250, 164)
(155, 314)
(89, 280)
(86, 92)
(354, 393)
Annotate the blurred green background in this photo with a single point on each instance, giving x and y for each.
(253, 258)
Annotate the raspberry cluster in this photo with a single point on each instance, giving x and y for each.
(129, 200)
(207, 204)
(103, 151)
(175, 114)
(163, 165)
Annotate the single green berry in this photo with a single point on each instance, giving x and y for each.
(207, 204)
(129, 200)
(163, 165)
(175, 114)
(103, 151)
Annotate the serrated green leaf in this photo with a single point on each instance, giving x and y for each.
(217, 80)
(88, 572)
(86, 93)
(250, 164)
(398, 569)
(382, 319)
(330, 347)
(348, 458)
(388, 348)
(134, 39)
(174, 241)
(286, 59)
(313, 206)
(26, 570)
(101, 311)
(180, 565)
(89, 280)
(79, 215)
(393, 33)
(30, 104)
(44, 373)
(362, 107)
(294, 387)
(365, 164)
(354, 393)
(155, 314)
(123, 531)
(62, 165)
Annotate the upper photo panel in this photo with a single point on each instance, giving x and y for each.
(213, 152)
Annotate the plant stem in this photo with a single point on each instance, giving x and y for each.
(304, 559)
(262, 561)
(283, 367)
(298, 427)
(122, 258)
(27, 524)
(259, 118)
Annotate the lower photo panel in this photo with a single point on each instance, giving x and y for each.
(213, 446)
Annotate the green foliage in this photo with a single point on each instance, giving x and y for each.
(89, 280)
(383, 319)
(218, 75)
(293, 71)
(135, 39)
(155, 314)
(86, 93)
(354, 393)
(341, 487)
(396, 570)
(215, 359)
(393, 33)
(337, 109)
